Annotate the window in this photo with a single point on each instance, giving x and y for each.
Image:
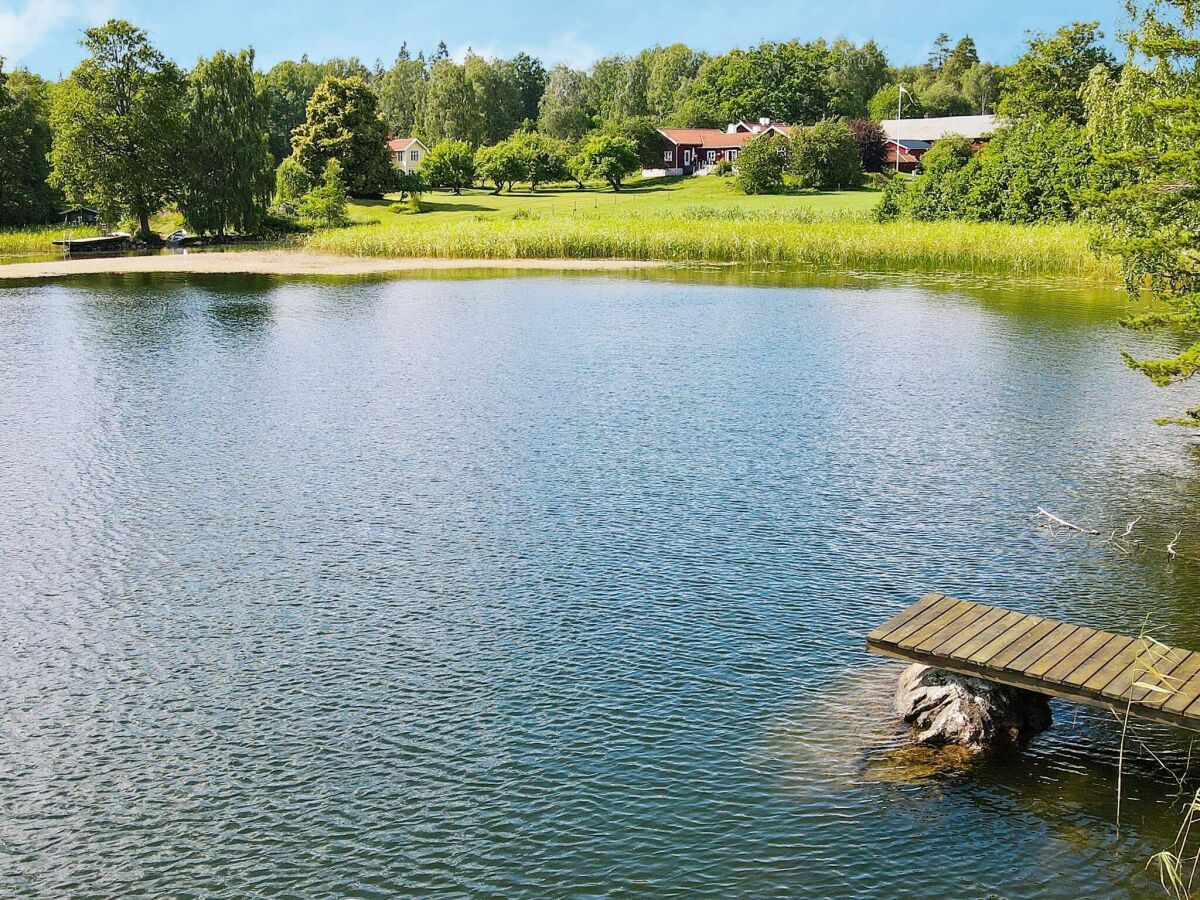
(712, 156)
(687, 157)
(399, 156)
(668, 156)
(731, 155)
(414, 154)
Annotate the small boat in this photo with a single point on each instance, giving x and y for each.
(175, 238)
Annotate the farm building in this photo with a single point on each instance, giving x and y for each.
(406, 153)
(909, 152)
(696, 151)
(908, 139)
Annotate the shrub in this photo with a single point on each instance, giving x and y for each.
(761, 164)
(325, 205)
(872, 143)
(291, 181)
(409, 206)
(824, 157)
(409, 183)
(724, 167)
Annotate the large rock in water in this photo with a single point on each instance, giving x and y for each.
(946, 708)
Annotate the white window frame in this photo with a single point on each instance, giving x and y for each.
(731, 155)
(687, 156)
(414, 154)
(668, 156)
(712, 156)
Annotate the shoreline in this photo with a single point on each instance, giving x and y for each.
(293, 262)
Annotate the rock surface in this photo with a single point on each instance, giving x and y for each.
(946, 708)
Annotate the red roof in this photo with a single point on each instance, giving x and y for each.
(706, 138)
(398, 144)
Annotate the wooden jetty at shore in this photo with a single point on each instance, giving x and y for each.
(104, 243)
(1099, 668)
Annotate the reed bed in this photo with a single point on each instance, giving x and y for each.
(35, 241)
(843, 243)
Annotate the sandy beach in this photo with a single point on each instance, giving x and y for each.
(290, 262)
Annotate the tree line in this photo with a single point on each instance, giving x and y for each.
(130, 131)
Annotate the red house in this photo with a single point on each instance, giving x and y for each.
(692, 151)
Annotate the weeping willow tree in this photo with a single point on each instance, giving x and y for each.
(1145, 122)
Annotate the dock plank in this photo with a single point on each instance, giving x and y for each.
(1071, 661)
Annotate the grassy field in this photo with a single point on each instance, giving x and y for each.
(651, 198)
(704, 219)
(35, 241)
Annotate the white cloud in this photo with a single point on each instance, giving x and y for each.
(22, 31)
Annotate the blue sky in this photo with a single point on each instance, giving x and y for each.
(43, 34)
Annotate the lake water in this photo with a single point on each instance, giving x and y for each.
(557, 586)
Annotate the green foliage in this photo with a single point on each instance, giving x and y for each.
(563, 111)
(883, 104)
(410, 206)
(825, 157)
(401, 91)
(761, 164)
(980, 86)
(607, 157)
(288, 86)
(644, 133)
(1047, 81)
(227, 164)
(26, 198)
(501, 164)
(343, 123)
(409, 183)
(871, 141)
(855, 74)
(1151, 214)
(786, 81)
(325, 205)
(943, 98)
(449, 165)
(724, 167)
(1031, 171)
(530, 77)
(118, 125)
(291, 181)
(543, 158)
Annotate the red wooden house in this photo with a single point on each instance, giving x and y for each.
(690, 151)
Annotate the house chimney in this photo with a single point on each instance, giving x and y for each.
(764, 121)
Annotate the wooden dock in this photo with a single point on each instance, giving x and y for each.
(1099, 668)
(104, 243)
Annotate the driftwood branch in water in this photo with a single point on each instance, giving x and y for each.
(1063, 523)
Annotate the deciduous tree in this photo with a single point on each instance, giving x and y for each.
(118, 125)
(825, 156)
(25, 196)
(227, 165)
(343, 123)
(449, 165)
(564, 112)
(608, 157)
(1048, 79)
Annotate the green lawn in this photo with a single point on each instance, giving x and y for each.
(641, 199)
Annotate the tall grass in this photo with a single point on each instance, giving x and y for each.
(705, 236)
(36, 240)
